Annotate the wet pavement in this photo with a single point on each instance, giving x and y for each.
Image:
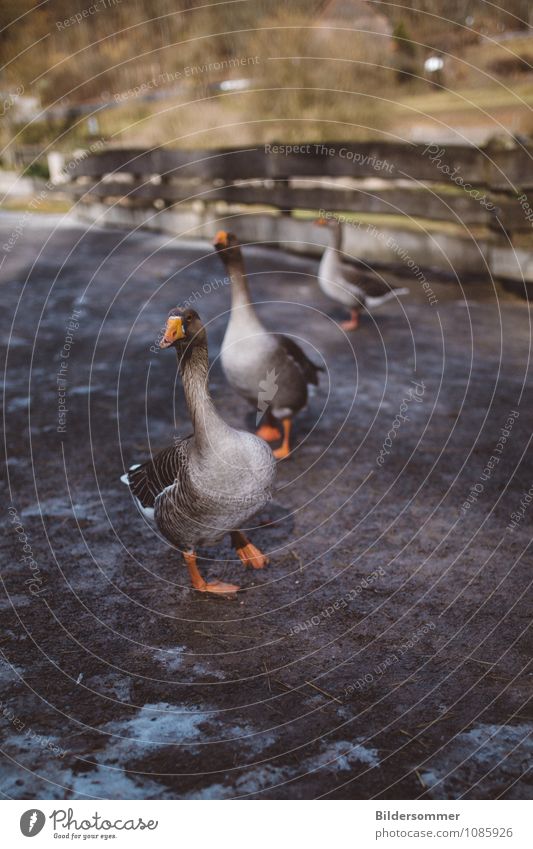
(386, 650)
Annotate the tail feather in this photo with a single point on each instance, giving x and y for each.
(125, 478)
(394, 293)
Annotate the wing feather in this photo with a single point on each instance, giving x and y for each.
(370, 285)
(147, 480)
(307, 366)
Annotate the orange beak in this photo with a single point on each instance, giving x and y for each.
(173, 331)
(221, 239)
(321, 222)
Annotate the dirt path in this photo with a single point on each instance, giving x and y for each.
(384, 653)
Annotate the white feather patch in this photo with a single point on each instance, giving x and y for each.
(148, 512)
(125, 478)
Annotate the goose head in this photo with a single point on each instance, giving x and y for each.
(327, 220)
(227, 246)
(332, 222)
(184, 329)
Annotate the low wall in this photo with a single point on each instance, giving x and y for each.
(440, 252)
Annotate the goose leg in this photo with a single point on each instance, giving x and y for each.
(268, 430)
(247, 552)
(198, 582)
(353, 322)
(284, 449)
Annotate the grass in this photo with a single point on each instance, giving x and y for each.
(401, 222)
(434, 102)
(47, 206)
(475, 87)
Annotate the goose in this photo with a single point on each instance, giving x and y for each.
(348, 285)
(268, 369)
(210, 483)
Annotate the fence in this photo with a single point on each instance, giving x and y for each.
(457, 209)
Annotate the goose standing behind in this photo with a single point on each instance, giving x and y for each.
(347, 285)
(268, 369)
(210, 483)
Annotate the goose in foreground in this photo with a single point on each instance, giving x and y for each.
(347, 285)
(210, 483)
(268, 369)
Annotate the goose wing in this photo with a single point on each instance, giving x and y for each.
(370, 285)
(149, 479)
(306, 366)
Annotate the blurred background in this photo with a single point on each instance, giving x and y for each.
(115, 77)
(132, 71)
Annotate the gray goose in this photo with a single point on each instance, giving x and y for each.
(210, 483)
(268, 369)
(347, 285)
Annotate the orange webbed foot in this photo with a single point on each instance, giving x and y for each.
(282, 452)
(218, 587)
(251, 556)
(269, 433)
(352, 323)
(284, 449)
(200, 584)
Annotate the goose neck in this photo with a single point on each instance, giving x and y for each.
(194, 370)
(337, 237)
(240, 291)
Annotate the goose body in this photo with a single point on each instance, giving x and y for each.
(348, 286)
(210, 483)
(268, 369)
(331, 280)
(193, 501)
(246, 350)
(252, 357)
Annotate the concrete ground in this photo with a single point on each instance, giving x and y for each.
(386, 650)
